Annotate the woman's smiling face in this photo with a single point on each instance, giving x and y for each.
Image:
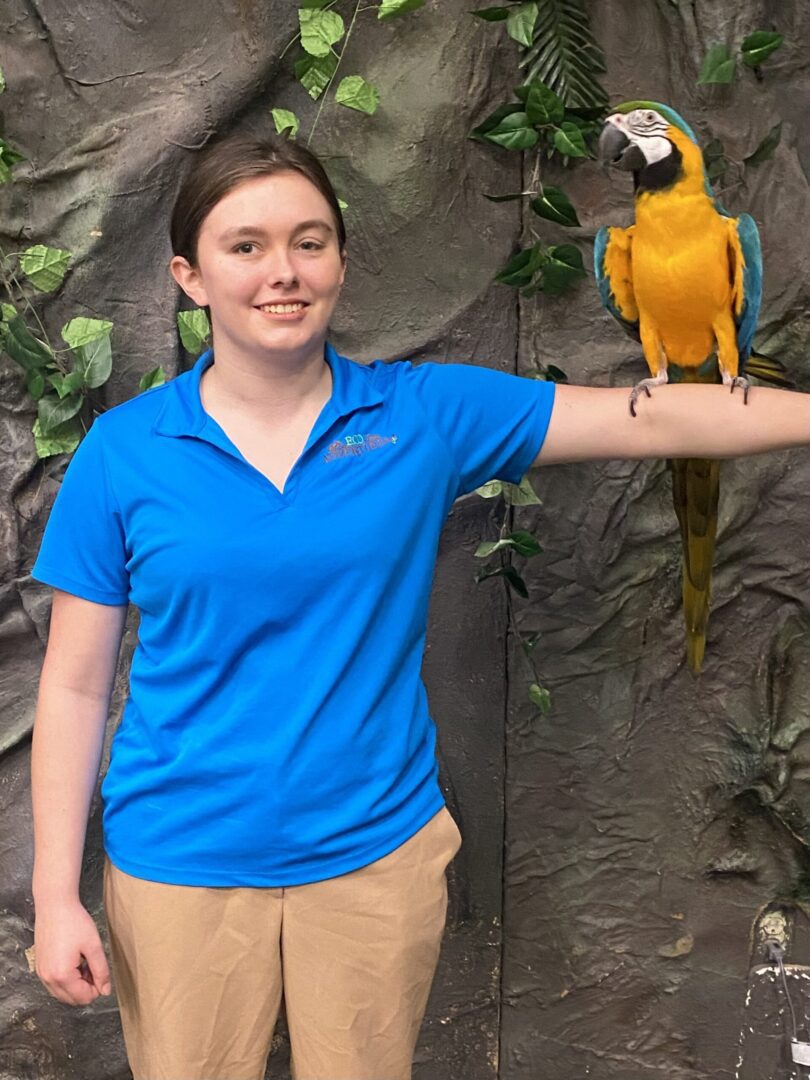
(268, 245)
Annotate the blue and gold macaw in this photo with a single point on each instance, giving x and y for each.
(686, 281)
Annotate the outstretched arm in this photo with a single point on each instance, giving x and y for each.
(679, 420)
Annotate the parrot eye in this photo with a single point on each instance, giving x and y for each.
(649, 116)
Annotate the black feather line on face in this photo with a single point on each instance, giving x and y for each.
(661, 174)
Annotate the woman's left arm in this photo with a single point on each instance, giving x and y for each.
(679, 420)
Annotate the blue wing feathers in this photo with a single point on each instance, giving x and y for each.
(746, 322)
(600, 246)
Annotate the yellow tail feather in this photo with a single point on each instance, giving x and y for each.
(695, 494)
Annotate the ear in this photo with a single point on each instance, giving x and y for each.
(189, 280)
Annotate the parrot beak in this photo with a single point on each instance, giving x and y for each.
(616, 149)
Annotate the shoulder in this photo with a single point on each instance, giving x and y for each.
(135, 416)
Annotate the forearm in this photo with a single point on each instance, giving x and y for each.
(677, 420)
(65, 757)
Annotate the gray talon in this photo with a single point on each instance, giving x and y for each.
(740, 380)
(644, 385)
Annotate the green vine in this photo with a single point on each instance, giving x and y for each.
(60, 377)
(320, 30)
(558, 112)
(718, 68)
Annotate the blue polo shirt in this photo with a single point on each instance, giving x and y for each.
(277, 729)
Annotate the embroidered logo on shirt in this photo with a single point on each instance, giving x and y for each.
(353, 445)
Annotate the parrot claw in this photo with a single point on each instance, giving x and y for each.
(644, 385)
(739, 380)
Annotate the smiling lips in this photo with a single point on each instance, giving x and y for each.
(291, 308)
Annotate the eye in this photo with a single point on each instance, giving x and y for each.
(311, 245)
(245, 244)
(650, 116)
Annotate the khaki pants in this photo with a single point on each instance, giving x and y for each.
(199, 971)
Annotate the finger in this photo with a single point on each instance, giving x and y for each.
(72, 990)
(98, 968)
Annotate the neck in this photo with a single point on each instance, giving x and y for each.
(271, 386)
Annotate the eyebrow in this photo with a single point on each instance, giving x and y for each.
(256, 230)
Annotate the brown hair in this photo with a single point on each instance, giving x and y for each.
(226, 163)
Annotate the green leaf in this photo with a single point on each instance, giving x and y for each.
(759, 46)
(35, 384)
(320, 30)
(45, 267)
(286, 121)
(195, 330)
(516, 581)
(540, 697)
(355, 93)
(57, 381)
(766, 147)
(488, 572)
(569, 141)
(520, 22)
(513, 132)
(521, 268)
(343, 205)
(93, 363)
(315, 72)
(490, 490)
(524, 543)
(23, 347)
(74, 380)
(2, 81)
(523, 494)
(155, 377)
(486, 548)
(9, 154)
(554, 205)
(60, 440)
(714, 159)
(493, 14)
(565, 55)
(508, 198)
(555, 374)
(7, 312)
(8, 158)
(562, 268)
(81, 331)
(494, 119)
(543, 106)
(389, 9)
(718, 66)
(53, 411)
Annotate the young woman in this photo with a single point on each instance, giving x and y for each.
(272, 817)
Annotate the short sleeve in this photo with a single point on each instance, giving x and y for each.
(492, 422)
(83, 548)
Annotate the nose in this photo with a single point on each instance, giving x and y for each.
(281, 270)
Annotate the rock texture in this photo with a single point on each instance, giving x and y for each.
(616, 854)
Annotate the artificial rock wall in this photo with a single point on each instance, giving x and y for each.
(616, 853)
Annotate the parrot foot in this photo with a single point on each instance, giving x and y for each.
(644, 386)
(738, 380)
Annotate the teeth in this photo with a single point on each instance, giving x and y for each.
(281, 309)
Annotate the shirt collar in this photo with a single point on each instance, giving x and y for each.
(182, 412)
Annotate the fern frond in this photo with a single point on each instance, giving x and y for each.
(564, 54)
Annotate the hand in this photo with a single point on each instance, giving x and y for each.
(69, 956)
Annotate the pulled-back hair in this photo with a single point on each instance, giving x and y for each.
(228, 162)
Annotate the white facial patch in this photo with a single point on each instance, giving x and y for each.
(654, 147)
